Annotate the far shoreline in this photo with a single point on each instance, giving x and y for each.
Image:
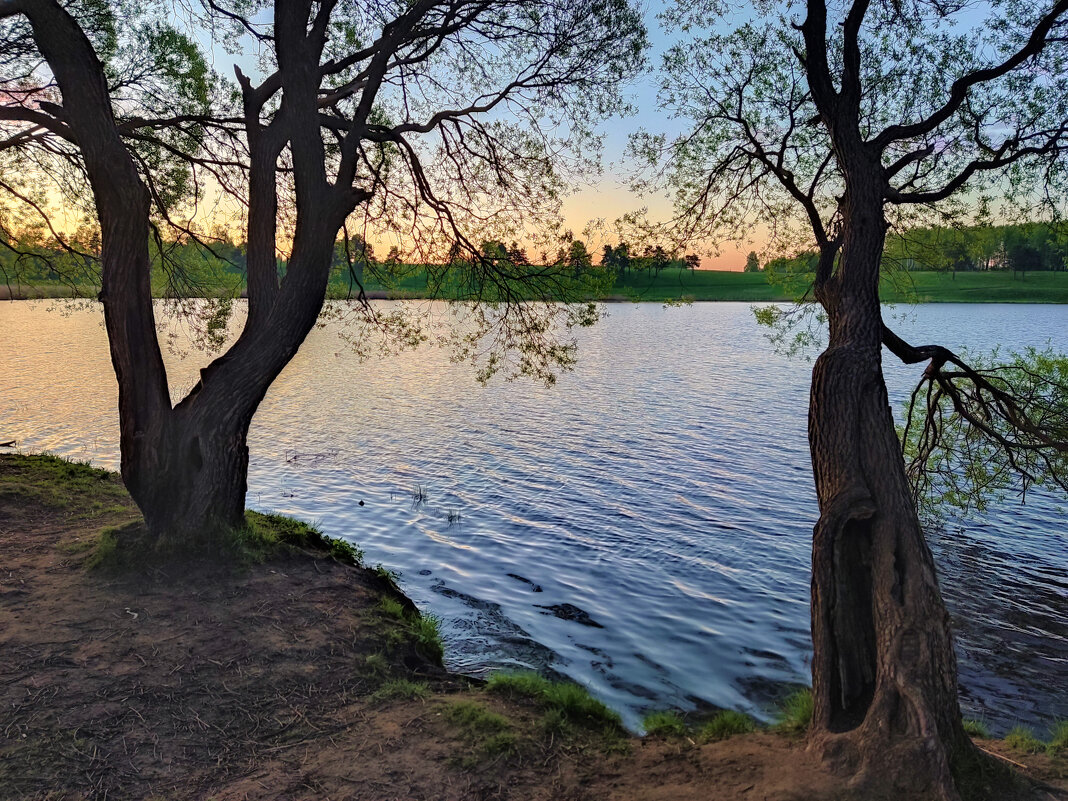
(706, 286)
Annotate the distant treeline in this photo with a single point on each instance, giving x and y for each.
(217, 267)
(1021, 248)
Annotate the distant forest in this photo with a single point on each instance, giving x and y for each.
(190, 268)
(1021, 248)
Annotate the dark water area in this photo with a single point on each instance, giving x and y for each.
(643, 527)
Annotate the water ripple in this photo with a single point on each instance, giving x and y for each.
(662, 491)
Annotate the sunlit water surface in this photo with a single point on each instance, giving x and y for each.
(643, 527)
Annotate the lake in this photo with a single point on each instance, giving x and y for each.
(643, 527)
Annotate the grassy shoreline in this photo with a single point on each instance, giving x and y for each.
(724, 286)
(288, 670)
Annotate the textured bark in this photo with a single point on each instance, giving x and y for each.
(884, 671)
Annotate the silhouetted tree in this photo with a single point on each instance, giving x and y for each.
(846, 115)
(385, 108)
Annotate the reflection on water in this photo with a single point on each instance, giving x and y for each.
(642, 528)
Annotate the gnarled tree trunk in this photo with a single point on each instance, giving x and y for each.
(186, 466)
(884, 671)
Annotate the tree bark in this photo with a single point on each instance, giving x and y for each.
(186, 467)
(884, 670)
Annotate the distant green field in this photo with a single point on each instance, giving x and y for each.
(697, 285)
(713, 285)
(989, 287)
(917, 287)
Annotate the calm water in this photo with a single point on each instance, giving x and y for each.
(643, 527)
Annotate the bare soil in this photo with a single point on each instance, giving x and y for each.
(225, 681)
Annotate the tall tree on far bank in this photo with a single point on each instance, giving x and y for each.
(831, 126)
(396, 107)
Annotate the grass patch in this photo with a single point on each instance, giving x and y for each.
(264, 534)
(427, 632)
(475, 718)
(376, 664)
(795, 712)
(401, 690)
(1023, 739)
(423, 630)
(62, 484)
(564, 703)
(726, 723)
(1058, 742)
(489, 732)
(391, 607)
(976, 728)
(664, 724)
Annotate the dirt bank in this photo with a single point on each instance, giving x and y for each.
(288, 679)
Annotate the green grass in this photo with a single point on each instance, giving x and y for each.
(1023, 739)
(995, 286)
(723, 285)
(676, 284)
(726, 723)
(474, 717)
(976, 728)
(76, 487)
(265, 533)
(985, 287)
(423, 629)
(795, 712)
(401, 690)
(491, 733)
(1058, 741)
(564, 703)
(664, 724)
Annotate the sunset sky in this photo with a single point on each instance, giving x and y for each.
(610, 196)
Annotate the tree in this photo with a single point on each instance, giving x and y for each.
(692, 261)
(832, 127)
(752, 263)
(578, 257)
(387, 109)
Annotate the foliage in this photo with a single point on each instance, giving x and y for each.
(752, 263)
(490, 731)
(265, 533)
(423, 629)
(980, 429)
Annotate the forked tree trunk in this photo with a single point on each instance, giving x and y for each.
(884, 671)
(186, 467)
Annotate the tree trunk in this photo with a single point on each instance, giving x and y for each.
(884, 672)
(186, 467)
(192, 479)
